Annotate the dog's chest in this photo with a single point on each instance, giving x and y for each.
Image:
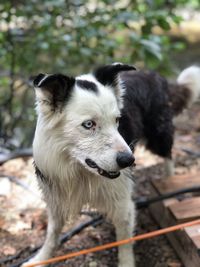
(71, 196)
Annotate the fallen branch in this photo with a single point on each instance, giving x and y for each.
(21, 153)
(191, 152)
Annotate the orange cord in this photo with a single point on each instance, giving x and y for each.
(117, 243)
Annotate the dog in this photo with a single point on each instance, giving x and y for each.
(84, 141)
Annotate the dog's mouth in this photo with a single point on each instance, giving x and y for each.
(93, 165)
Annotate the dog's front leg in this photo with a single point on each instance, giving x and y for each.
(55, 224)
(123, 221)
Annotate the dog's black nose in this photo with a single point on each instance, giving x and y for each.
(125, 159)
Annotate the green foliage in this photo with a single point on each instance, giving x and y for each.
(71, 36)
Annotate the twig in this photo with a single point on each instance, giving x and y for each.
(25, 152)
(191, 152)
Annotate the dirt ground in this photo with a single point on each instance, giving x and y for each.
(23, 218)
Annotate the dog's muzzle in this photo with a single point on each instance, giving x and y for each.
(93, 165)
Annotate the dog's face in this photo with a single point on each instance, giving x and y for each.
(85, 112)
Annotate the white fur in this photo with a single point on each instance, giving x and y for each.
(190, 77)
(60, 147)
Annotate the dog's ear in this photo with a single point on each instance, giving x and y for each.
(53, 89)
(108, 74)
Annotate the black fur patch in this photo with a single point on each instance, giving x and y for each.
(37, 79)
(107, 74)
(59, 86)
(39, 174)
(147, 113)
(87, 85)
(180, 96)
(44, 179)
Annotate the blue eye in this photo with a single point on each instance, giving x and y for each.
(88, 124)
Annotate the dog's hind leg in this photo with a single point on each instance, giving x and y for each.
(123, 221)
(55, 224)
(159, 140)
(169, 167)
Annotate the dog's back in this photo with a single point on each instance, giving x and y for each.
(147, 112)
(150, 103)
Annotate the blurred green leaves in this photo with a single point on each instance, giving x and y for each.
(72, 36)
(52, 35)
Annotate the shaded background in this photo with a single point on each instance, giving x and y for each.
(73, 36)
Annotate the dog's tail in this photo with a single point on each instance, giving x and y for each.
(186, 90)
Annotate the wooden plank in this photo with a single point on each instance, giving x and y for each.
(194, 233)
(176, 182)
(185, 242)
(187, 209)
(170, 201)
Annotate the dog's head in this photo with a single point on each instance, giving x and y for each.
(83, 113)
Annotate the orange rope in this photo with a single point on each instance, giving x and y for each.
(117, 243)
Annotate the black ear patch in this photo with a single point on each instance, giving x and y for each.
(56, 87)
(107, 74)
(87, 85)
(37, 79)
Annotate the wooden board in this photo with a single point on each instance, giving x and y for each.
(176, 182)
(173, 211)
(194, 233)
(187, 209)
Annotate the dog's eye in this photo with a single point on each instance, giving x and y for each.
(88, 124)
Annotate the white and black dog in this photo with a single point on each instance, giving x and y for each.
(84, 140)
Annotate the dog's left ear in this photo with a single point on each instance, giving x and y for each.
(53, 89)
(108, 74)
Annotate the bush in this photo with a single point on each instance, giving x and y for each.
(71, 37)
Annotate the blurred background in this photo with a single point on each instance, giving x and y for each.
(73, 36)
